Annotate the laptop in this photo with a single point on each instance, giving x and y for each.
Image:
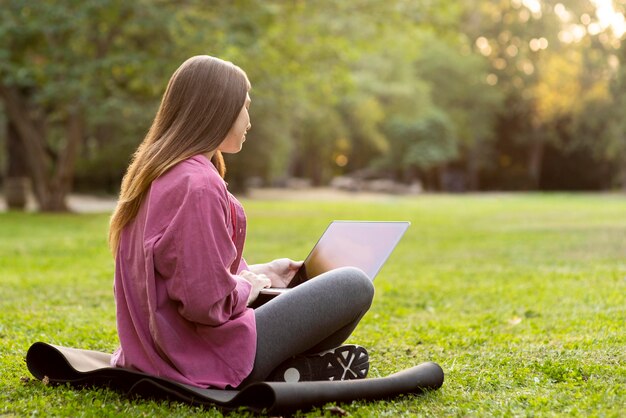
(363, 244)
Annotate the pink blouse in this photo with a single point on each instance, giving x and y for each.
(181, 307)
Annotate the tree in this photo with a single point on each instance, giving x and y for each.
(59, 76)
(459, 88)
(15, 184)
(549, 61)
(421, 146)
(601, 124)
(414, 89)
(391, 107)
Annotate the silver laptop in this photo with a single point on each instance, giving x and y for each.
(363, 244)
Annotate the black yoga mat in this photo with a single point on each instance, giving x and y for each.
(91, 368)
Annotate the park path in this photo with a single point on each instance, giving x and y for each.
(77, 203)
(97, 204)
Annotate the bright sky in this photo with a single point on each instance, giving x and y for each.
(605, 13)
(608, 17)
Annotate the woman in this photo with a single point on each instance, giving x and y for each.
(182, 288)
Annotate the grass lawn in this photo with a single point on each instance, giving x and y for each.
(520, 298)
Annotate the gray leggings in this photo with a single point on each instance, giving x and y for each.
(317, 315)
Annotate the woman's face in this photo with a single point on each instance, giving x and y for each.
(237, 135)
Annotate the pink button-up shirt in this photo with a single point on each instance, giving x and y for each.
(181, 307)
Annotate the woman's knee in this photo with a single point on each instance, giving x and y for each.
(356, 284)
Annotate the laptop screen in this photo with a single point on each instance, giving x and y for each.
(362, 244)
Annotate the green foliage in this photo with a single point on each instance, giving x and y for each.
(333, 81)
(606, 121)
(458, 85)
(422, 143)
(520, 298)
(107, 60)
(106, 50)
(554, 71)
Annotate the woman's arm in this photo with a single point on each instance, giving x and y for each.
(194, 256)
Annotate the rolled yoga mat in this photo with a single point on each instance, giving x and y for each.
(78, 367)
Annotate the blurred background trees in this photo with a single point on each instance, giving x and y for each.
(455, 96)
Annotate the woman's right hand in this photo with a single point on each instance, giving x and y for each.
(258, 282)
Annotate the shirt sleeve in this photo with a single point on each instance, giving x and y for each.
(194, 256)
(243, 265)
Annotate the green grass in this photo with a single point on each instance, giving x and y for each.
(520, 298)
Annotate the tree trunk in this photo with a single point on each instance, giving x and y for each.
(51, 184)
(16, 180)
(622, 175)
(473, 168)
(535, 161)
(38, 163)
(61, 184)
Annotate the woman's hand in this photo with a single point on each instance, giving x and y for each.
(280, 271)
(258, 282)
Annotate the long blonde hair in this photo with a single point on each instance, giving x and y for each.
(201, 103)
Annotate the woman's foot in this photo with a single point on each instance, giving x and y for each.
(346, 362)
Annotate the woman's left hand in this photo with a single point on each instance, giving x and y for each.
(280, 271)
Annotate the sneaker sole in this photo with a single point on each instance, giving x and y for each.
(344, 363)
(347, 362)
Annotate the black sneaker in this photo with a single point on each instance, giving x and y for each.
(346, 362)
